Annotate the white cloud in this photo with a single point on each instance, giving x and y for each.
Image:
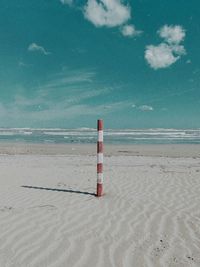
(68, 2)
(108, 13)
(145, 108)
(172, 34)
(178, 49)
(35, 47)
(160, 56)
(130, 31)
(169, 51)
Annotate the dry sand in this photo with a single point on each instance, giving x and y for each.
(149, 216)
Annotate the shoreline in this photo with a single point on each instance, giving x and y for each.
(148, 150)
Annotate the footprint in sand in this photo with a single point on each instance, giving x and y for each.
(5, 208)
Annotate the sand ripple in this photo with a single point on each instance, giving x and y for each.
(149, 216)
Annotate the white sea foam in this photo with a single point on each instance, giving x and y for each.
(6, 133)
(111, 135)
(26, 133)
(77, 133)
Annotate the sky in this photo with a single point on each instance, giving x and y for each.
(66, 63)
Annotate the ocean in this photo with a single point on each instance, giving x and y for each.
(111, 136)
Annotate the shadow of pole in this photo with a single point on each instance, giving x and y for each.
(59, 190)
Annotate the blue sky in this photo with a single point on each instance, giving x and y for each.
(65, 63)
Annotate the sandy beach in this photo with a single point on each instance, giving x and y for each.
(148, 217)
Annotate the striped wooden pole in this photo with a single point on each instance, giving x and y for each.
(100, 159)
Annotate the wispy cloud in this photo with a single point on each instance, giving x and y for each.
(109, 13)
(24, 111)
(169, 51)
(23, 65)
(74, 82)
(130, 31)
(75, 92)
(145, 108)
(33, 47)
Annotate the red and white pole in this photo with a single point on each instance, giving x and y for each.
(100, 159)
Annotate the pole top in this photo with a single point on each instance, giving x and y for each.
(100, 124)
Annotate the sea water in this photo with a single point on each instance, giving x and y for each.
(111, 136)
